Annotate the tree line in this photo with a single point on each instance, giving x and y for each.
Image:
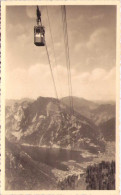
(101, 176)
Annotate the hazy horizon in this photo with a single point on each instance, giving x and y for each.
(34, 99)
(92, 46)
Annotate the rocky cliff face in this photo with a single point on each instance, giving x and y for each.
(49, 122)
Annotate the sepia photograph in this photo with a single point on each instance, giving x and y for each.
(60, 97)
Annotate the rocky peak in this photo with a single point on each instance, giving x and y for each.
(46, 121)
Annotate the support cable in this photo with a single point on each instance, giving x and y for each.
(53, 48)
(56, 94)
(64, 19)
(65, 42)
(39, 20)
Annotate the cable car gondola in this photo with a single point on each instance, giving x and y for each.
(39, 35)
(39, 31)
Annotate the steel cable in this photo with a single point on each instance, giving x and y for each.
(64, 19)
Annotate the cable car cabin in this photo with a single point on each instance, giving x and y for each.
(39, 36)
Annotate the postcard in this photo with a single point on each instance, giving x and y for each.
(60, 97)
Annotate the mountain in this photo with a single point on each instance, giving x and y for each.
(47, 147)
(108, 129)
(47, 121)
(10, 102)
(24, 173)
(97, 111)
(80, 103)
(103, 113)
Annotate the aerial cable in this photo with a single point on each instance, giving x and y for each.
(65, 42)
(68, 59)
(38, 13)
(64, 19)
(69, 70)
(53, 48)
(56, 94)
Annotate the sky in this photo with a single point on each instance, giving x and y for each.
(92, 51)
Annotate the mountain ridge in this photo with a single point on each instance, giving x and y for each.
(47, 121)
(91, 110)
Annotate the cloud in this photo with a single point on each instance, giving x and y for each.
(90, 46)
(111, 75)
(91, 50)
(97, 17)
(97, 74)
(98, 84)
(94, 42)
(31, 11)
(96, 38)
(98, 50)
(37, 81)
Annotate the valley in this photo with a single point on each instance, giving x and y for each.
(46, 144)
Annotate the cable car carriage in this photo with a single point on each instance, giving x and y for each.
(39, 35)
